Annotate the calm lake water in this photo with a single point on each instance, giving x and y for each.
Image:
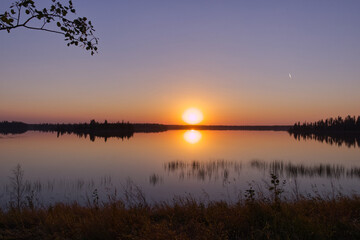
(206, 164)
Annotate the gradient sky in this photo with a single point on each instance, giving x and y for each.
(231, 59)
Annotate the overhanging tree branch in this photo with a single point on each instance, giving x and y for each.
(78, 31)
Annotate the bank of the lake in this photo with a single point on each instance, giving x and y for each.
(185, 218)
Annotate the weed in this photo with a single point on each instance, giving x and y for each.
(17, 187)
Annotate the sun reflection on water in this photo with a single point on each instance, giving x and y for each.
(192, 136)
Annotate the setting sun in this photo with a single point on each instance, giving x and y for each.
(192, 116)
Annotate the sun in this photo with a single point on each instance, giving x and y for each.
(192, 116)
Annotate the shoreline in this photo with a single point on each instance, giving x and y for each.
(186, 218)
(115, 129)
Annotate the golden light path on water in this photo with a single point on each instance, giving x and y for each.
(192, 136)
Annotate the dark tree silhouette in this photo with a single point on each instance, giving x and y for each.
(94, 129)
(77, 31)
(329, 125)
(13, 127)
(332, 130)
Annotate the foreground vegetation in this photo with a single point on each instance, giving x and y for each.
(186, 218)
(254, 215)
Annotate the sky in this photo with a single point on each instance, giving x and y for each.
(239, 62)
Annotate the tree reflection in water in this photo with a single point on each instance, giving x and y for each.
(338, 139)
(222, 170)
(209, 170)
(283, 169)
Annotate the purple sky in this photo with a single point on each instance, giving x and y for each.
(231, 59)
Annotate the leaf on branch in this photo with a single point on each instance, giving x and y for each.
(76, 31)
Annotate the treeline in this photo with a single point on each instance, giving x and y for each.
(331, 124)
(13, 127)
(337, 131)
(93, 126)
(93, 129)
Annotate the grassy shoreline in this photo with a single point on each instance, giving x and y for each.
(128, 215)
(186, 218)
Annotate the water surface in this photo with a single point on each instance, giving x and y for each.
(206, 164)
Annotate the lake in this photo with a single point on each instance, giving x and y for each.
(208, 165)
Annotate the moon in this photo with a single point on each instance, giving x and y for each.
(192, 116)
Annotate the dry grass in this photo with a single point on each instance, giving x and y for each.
(186, 218)
(256, 215)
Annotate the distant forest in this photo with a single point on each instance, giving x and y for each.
(330, 124)
(92, 129)
(332, 130)
(117, 129)
(13, 127)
